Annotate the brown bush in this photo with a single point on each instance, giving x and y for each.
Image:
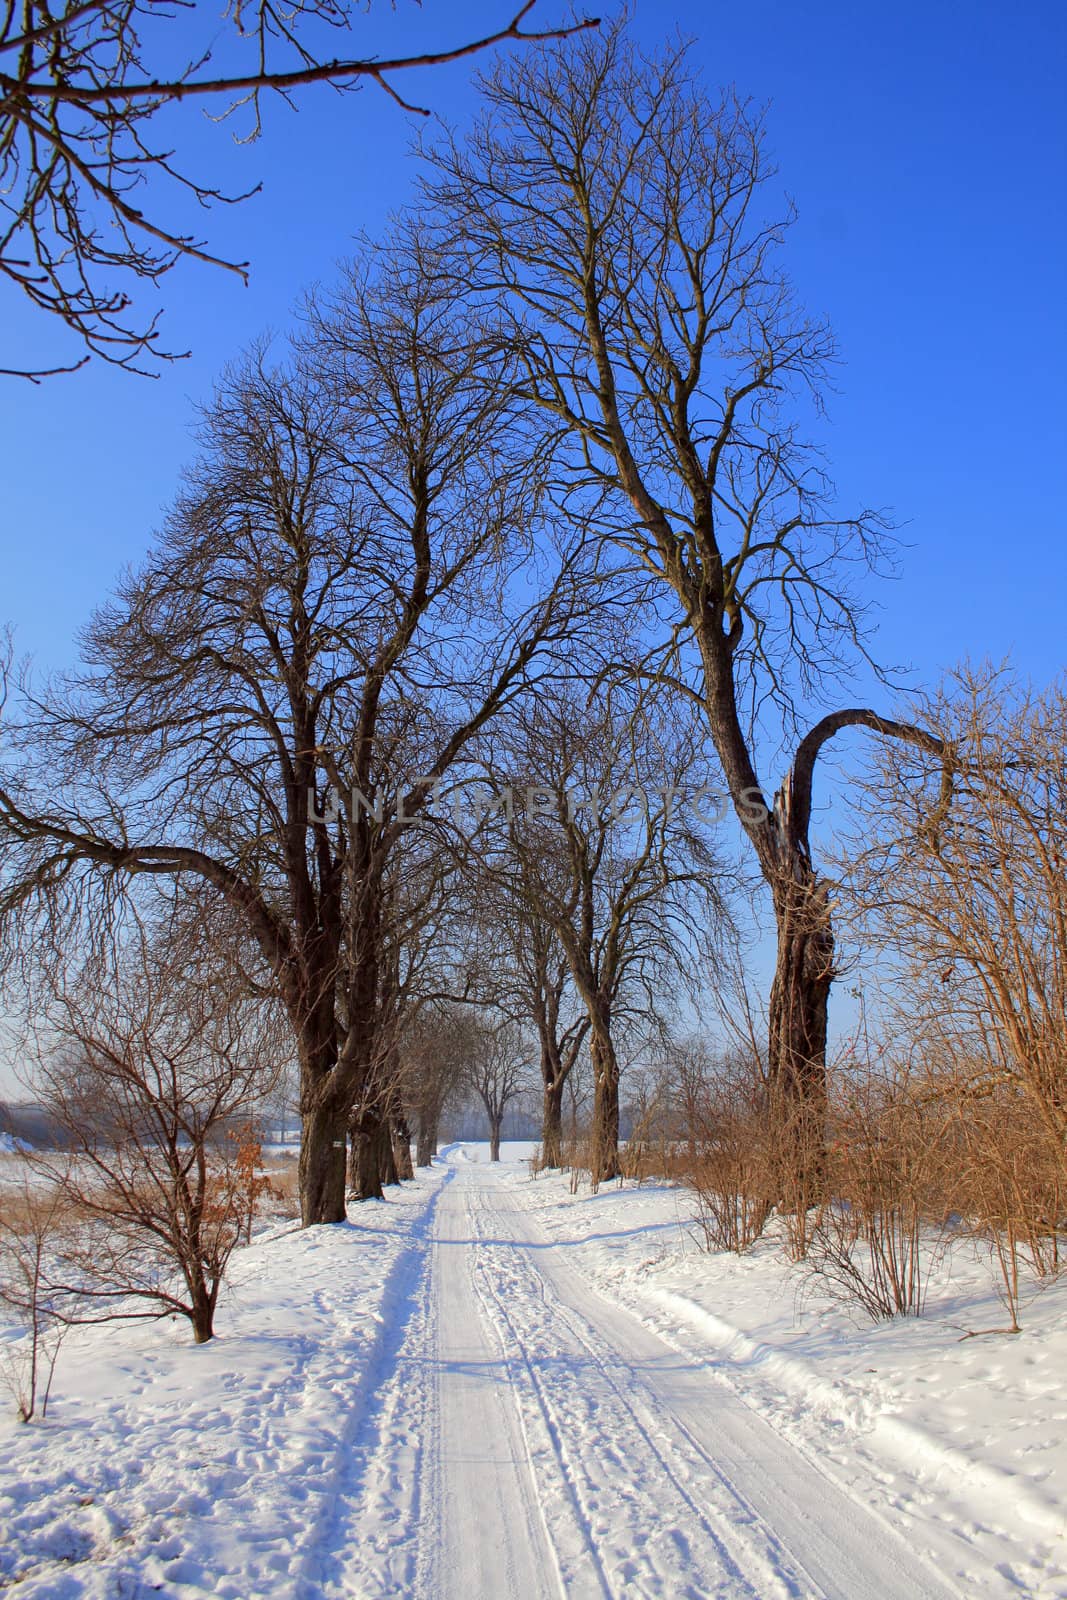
(878, 1234)
(1004, 1176)
(35, 1219)
(730, 1156)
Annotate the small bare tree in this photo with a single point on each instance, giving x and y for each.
(33, 1220)
(146, 1056)
(497, 1071)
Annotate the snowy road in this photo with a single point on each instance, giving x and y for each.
(529, 1438)
(473, 1391)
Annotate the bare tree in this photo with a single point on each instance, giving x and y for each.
(81, 90)
(497, 1071)
(611, 212)
(543, 976)
(32, 1221)
(268, 703)
(145, 1056)
(522, 971)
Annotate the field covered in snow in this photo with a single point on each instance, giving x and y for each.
(488, 1386)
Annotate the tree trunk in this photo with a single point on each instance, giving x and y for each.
(426, 1143)
(494, 1139)
(604, 1155)
(202, 1293)
(322, 1165)
(401, 1136)
(202, 1302)
(387, 1171)
(804, 972)
(552, 1125)
(364, 1165)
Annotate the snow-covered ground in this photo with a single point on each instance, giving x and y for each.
(487, 1387)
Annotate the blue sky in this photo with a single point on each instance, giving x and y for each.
(925, 148)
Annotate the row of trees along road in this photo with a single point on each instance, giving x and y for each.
(321, 611)
(543, 433)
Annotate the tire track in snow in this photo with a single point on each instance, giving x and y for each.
(493, 1538)
(757, 1568)
(436, 1498)
(574, 1543)
(839, 1545)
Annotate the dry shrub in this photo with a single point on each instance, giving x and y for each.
(660, 1160)
(33, 1222)
(653, 1147)
(1007, 1178)
(794, 1132)
(964, 888)
(581, 1157)
(878, 1235)
(731, 1172)
(244, 1185)
(284, 1193)
(915, 1159)
(577, 1156)
(645, 1151)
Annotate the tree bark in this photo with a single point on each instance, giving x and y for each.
(552, 1124)
(604, 1155)
(364, 1165)
(401, 1136)
(322, 1165)
(494, 1140)
(797, 1025)
(804, 971)
(387, 1169)
(203, 1318)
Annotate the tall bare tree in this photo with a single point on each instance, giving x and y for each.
(82, 86)
(613, 213)
(269, 700)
